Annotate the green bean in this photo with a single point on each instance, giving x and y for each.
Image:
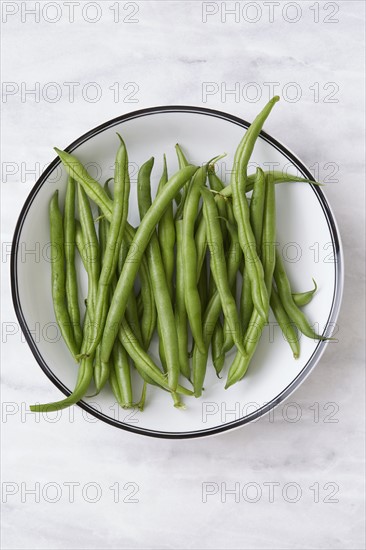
(85, 375)
(162, 355)
(121, 369)
(218, 356)
(144, 203)
(122, 255)
(101, 372)
(285, 323)
(182, 159)
(180, 307)
(58, 275)
(181, 197)
(253, 265)
(284, 292)
(217, 186)
(191, 295)
(256, 325)
(269, 258)
(133, 317)
(103, 228)
(71, 280)
(200, 234)
(115, 236)
(213, 311)
(301, 299)
(93, 189)
(80, 241)
(229, 223)
(268, 247)
(246, 302)
(115, 388)
(141, 403)
(91, 256)
(166, 235)
(257, 205)
(218, 266)
(202, 285)
(215, 183)
(278, 176)
(256, 220)
(200, 239)
(166, 320)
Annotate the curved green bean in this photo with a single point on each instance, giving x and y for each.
(278, 177)
(78, 172)
(85, 376)
(284, 292)
(302, 299)
(253, 265)
(284, 321)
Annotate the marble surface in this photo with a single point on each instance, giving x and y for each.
(296, 484)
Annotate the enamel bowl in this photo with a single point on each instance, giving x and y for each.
(308, 240)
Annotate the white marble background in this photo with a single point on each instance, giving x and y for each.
(167, 55)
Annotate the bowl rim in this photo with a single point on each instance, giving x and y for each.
(338, 273)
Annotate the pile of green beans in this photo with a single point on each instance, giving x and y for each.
(177, 274)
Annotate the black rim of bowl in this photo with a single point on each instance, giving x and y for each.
(338, 274)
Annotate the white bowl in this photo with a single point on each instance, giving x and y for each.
(308, 238)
